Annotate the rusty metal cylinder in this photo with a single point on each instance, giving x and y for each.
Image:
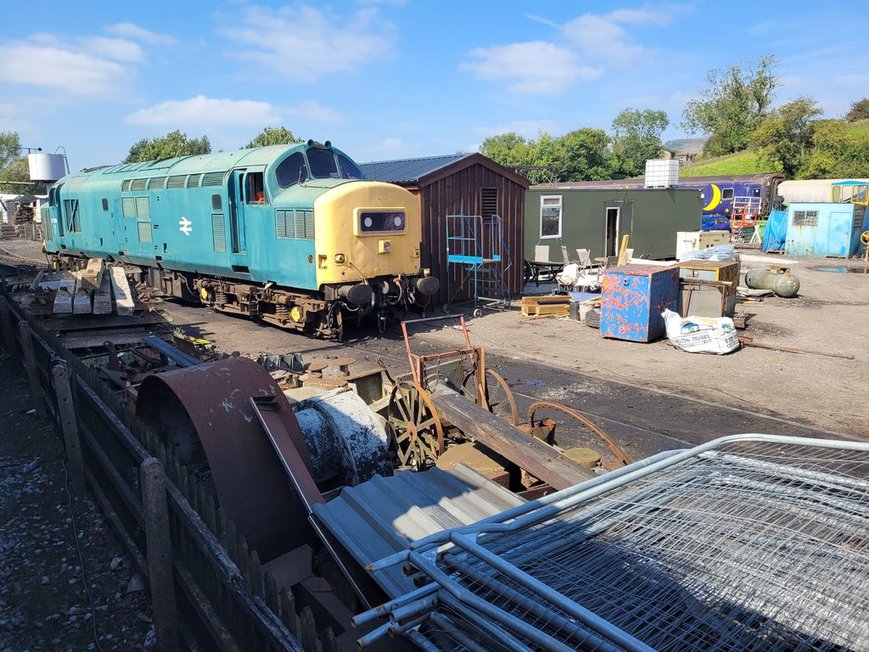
(782, 284)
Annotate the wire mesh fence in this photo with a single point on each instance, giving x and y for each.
(748, 543)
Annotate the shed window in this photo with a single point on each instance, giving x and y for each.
(550, 216)
(489, 201)
(727, 193)
(805, 218)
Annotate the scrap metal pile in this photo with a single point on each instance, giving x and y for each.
(749, 542)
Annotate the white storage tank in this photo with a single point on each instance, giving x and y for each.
(662, 173)
(46, 167)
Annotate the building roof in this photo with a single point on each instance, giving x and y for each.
(408, 170)
(424, 171)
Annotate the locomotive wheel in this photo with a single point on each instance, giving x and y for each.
(415, 424)
(497, 395)
(621, 458)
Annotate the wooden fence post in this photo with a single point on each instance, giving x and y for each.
(69, 426)
(159, 553)
(6, 329)
(30, 368)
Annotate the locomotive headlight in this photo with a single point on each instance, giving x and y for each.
(340, 259)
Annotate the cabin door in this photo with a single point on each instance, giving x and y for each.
(236, 212)
(612, 216)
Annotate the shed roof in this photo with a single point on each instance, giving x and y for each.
(422, 171)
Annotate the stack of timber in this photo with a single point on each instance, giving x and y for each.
(551, 305)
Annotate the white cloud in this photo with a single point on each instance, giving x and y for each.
(304, 43)
(133, 31)
(531, 67)
(116, 49)
(201, 110)
(314, 111)
(75, 71)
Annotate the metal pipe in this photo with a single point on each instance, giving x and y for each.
(498, 634)
(387, 607)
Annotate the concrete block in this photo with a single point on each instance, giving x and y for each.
(103, 297)
(123, 295)
(81, 302)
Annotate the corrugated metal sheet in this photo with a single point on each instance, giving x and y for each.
(408, 170)
(379, 517)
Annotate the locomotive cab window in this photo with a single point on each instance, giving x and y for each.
(292, 170)
(254, 190)
(382, 221)
(322, 162)
(727, 193)
(348, 168)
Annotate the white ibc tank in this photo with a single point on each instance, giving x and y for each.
(46, 167)
(662, 173)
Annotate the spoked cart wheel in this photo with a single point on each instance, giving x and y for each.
(497, 396)
(415, 425)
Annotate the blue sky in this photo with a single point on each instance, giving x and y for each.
(386, 79)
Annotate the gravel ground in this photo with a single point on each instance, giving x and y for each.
(64, 582)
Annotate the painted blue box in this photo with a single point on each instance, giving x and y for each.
(633, 298)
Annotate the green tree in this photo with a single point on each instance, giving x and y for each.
(732, 105)
(784, 138)
(274, 136)
(173, 144)
(835, 152)
(636, 138)
(579, 155)
(859, 110)
(14, 170)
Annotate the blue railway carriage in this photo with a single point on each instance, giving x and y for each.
(288, 234)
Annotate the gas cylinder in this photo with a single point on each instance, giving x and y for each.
(783, 284)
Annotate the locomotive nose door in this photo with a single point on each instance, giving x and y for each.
(236, 211)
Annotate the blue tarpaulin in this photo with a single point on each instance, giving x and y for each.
(776, 231)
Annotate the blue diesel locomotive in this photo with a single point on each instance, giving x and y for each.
(288, 234)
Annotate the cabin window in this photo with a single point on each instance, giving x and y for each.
(550, 216)
(254, 190)
(489, 201)
(727, 193)
(322, 162)
(212, 179)
(156, 183)
(216, 203)
(177, 181)
(193, 180)
(756, 192)
(70, 211)
(805, 218)
(105, 204)
(292, 170)
(138, 184)
(349, 170)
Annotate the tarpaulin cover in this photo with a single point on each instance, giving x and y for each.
(714, 223)
(776, 231)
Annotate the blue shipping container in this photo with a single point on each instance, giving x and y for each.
(633, 298)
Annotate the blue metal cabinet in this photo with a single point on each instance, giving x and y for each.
(633, 298)
(823, 229)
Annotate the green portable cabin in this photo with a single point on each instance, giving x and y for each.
(596, 219)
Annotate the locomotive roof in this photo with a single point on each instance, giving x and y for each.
(219, 162)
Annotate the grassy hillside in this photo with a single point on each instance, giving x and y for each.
(748, 162)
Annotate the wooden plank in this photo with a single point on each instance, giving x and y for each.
(533, 455)
(559, 310)
(26, 337)
(159, 551)
(69, 426)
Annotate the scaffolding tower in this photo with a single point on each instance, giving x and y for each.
(476, 246)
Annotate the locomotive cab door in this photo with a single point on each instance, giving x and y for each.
(236, 188)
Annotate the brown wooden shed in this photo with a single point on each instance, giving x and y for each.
(461, 184)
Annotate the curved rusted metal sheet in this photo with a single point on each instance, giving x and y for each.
(206, 409)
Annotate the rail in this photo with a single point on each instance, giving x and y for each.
(208, 589)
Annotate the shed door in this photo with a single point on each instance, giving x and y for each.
(839, 235)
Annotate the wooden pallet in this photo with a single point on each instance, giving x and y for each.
(546, 306)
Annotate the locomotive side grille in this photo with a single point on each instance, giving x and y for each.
(144, 231)
(300, 224)
(218, 232)
(212, 179)
(156, 183)
(193, 180)
(176, 182)
(281, 224)
(138, 184)
(307, 231)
